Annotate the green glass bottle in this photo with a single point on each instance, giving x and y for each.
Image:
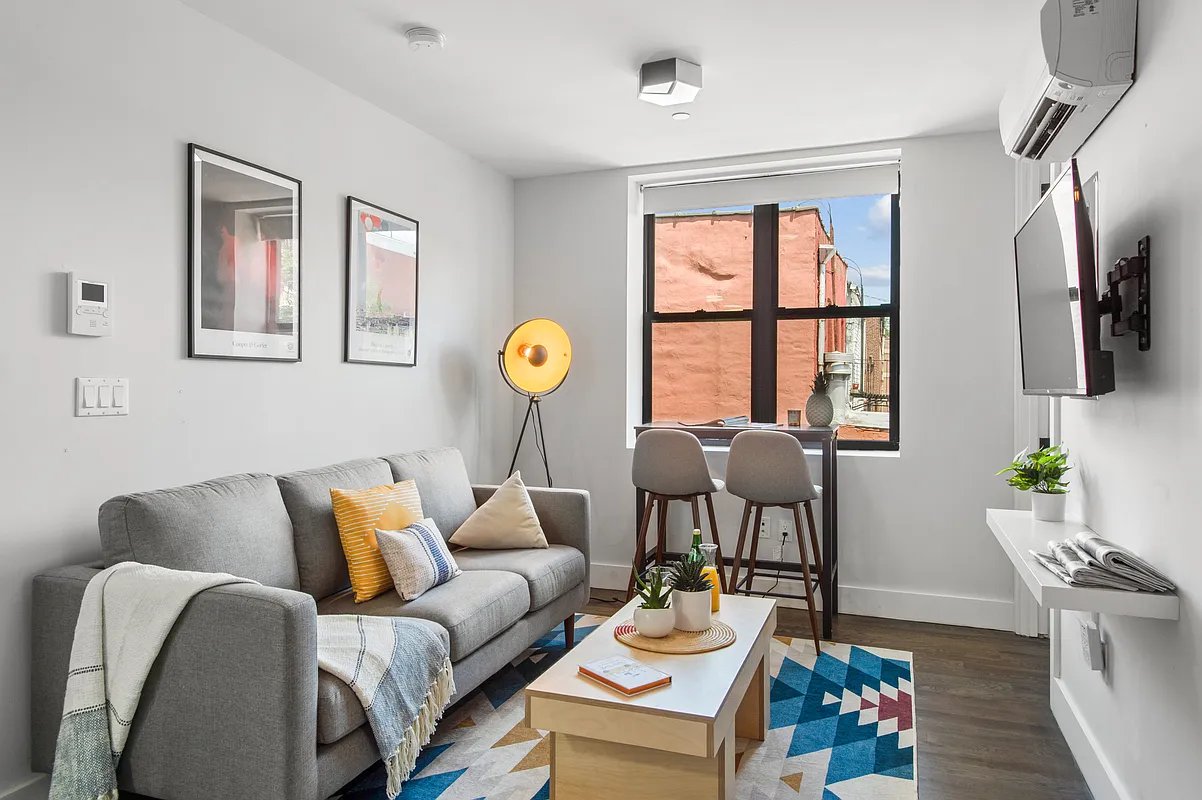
(695, 553)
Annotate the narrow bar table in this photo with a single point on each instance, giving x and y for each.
(827, 440)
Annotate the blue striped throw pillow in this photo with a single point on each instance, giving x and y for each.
(417, 557)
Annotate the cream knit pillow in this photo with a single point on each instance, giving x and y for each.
(506, 521)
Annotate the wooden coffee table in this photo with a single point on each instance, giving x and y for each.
(677, 741)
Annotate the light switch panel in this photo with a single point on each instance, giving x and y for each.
(101, 397)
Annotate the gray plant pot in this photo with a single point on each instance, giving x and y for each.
(820, 411)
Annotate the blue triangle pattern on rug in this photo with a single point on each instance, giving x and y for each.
(857, 739)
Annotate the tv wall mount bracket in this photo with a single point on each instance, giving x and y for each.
(1139, 319)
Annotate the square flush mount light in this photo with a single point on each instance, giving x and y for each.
(669, 82)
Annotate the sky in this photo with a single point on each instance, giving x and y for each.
(862, 237)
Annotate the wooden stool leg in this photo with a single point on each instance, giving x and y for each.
(805, 569)
(640, 547)
(814, 540)
(709, 507)
(734, 570)
(696, 513)
(755, 546)
(661, 524)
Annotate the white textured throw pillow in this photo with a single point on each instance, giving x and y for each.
(417, 557)
(506, 521)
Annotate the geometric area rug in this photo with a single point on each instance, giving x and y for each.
(842, 728)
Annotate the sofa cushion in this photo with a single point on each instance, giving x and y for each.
(442, 483)
(236, 524)
(338, 709)
(473, 607)
(306, 494)
(551, 572)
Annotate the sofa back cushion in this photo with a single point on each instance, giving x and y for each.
(306, 493)
(442, 483)
(236, 524)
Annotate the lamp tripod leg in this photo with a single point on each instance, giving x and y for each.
(529, 414)
(542, 440)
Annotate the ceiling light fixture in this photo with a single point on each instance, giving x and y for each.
(669, 81)
(422, 38)
(680, 115)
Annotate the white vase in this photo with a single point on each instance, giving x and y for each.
(820, 410)
(654, 623)
(694, 610)
(1048, 507)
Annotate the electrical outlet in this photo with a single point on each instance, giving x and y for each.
(785, 529)
(766, 526)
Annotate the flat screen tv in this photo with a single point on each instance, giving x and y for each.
(1059, 323)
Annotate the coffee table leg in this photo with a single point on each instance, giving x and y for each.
(589, 769)
(752, 718)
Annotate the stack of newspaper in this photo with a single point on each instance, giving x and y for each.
(1090, 560)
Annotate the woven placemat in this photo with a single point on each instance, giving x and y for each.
(679, 642)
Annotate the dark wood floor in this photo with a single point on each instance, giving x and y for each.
(985, 731)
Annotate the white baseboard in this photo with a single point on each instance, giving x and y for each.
(37, 787)
(1094, 766)
(973, 612)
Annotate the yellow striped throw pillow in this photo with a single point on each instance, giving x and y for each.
(358, 513)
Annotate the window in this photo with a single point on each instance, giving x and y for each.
(745, 304)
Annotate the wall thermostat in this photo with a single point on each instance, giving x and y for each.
(89, 311)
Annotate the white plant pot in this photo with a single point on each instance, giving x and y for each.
(1048, 507)
(654, 623)
(694, 610)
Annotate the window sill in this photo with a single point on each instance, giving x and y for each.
(711, 448)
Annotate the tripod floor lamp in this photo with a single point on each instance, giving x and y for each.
(534, 362)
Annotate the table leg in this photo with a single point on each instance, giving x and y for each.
(828, 532)
(588, 769)
(752, 717)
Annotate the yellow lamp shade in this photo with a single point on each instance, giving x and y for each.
(536, 357)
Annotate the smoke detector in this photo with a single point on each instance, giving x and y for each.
(425, 39)
(669, 81)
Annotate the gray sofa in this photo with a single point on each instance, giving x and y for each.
(236, 706)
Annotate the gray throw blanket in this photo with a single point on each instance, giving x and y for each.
(397, 668)
(402, 675)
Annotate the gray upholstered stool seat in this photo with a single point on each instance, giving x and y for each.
(670, 465)
(768, 469)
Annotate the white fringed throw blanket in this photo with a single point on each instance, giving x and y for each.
(401, 673)
(397, 668)
(127, 612)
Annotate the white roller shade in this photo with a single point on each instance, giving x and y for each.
(818, 184)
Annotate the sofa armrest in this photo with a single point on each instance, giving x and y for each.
(235, 685)
(565, 515)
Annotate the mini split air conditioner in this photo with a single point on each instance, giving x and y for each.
(1069, 84)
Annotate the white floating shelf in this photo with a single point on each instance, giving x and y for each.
(1018, 533)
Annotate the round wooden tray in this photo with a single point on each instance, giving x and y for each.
(680, 642)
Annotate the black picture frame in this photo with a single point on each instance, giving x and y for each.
(279, 340)
(402, 336)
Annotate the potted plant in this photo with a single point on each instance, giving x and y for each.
(1041, 473)
(820, 411)
(691, 594)
(654, 618)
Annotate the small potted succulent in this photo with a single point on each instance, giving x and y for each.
(654, 618)
(1042, 474)
(691, 594)
(820, 410)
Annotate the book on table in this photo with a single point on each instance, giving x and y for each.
(624, 674)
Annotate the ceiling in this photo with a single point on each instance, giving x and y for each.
(537, 87)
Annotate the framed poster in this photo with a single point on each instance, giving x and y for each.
(381, 286)
(244, 246)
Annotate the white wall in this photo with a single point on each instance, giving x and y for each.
(97, 104)
(1139, 450)
(913, 540)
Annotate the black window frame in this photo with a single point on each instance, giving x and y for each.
(765, 313)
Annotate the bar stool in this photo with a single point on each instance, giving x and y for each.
(670, 465)
(768, 469)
